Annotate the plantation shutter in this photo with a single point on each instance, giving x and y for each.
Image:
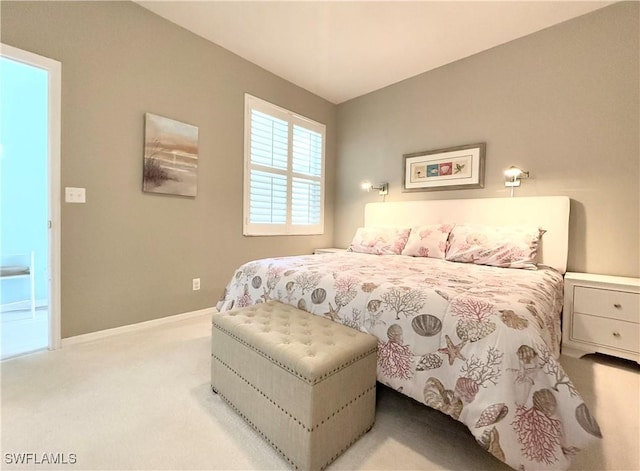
(307, 169)
(284, 171)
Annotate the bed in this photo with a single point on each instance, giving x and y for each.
(477, 342)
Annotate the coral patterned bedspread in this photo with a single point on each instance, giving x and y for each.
(478, 343)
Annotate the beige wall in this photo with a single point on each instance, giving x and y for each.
(129, 256)
(562, 103)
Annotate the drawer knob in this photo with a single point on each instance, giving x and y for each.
(616, 334)
(617, 305)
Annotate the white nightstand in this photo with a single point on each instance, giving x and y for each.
(329, 250)
(601, 314)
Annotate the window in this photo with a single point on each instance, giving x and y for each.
(283, 173)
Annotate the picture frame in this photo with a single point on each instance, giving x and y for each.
(453, 168)
(170, 157)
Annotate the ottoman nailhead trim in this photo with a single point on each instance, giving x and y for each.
(253, 426)
(289, 369)
(306, 428)
(342, 450)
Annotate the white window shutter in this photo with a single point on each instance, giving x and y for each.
(268, 198)
(284, 171)
(269, 140)
(305, 202)
(307, 151)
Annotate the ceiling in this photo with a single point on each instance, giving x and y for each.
(343, 49)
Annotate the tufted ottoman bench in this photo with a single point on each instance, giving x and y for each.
(305, 383)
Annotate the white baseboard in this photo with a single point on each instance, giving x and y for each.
(100, 334)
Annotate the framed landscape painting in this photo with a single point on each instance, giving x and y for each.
(170, 156)
(454, 168)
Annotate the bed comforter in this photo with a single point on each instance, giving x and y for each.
(478, 343)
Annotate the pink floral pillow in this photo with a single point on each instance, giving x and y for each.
(428, 241)
(510, 247)
(380, 240)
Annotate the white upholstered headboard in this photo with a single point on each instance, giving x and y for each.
(550, 213)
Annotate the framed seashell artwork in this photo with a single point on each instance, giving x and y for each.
(454, 168)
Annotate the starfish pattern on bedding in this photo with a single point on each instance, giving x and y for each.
(333, 313)
(452, 350)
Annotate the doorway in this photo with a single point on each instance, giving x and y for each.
(29, 202)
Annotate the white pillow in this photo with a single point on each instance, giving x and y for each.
(428, 241)
(380, 240)
(509, 246)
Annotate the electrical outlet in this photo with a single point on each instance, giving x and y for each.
(195, 284)
(74, 195)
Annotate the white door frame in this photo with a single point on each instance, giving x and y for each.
(54, 73)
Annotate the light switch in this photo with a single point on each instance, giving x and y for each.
(74, 195)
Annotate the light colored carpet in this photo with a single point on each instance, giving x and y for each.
(141, 400)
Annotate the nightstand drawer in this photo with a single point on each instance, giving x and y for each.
(607, 303)
(606, 332)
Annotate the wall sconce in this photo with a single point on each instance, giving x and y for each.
(383, 189)
(512, 177)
